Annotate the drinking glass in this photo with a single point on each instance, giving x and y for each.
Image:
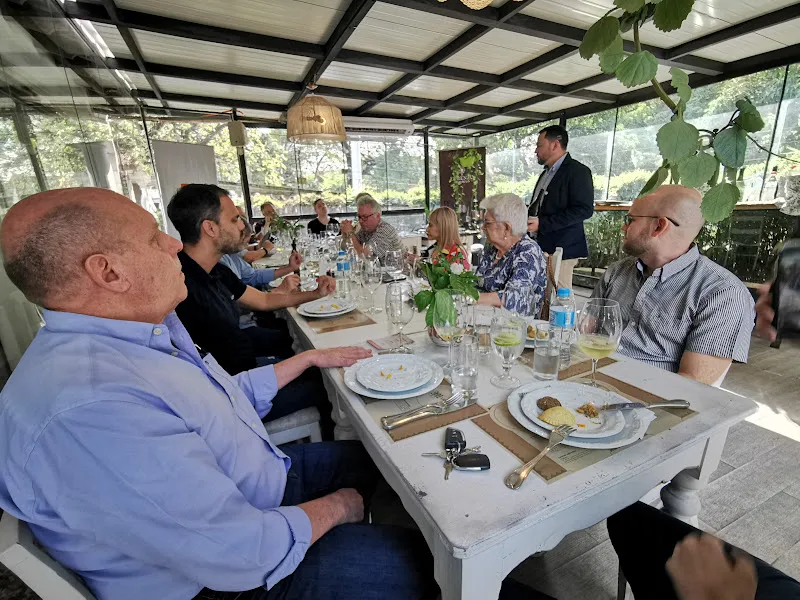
(451, 322)
(400, 308)
(482, 326)
(332, 229)
(546, 352)
(508, 333)
(599, 330)
(394, 263)
(464, 374)
(372, 276)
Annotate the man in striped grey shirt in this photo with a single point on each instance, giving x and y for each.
(681, 311)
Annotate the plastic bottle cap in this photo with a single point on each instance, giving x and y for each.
(563, 292)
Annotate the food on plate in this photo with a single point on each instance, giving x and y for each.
(558, 415)
(589, 410)
(531, 331)
(546, 402)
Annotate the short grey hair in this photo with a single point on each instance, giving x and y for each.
(365, 199)
(509, 208)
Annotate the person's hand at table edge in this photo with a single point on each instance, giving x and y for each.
(295, 260)
(290, 283)
(325, 286)
(700, 570)
(343, 356)
(764, 312)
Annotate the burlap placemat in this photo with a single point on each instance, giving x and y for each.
(352, 319)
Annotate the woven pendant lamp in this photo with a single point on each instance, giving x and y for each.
(314, 119)
(476, 4)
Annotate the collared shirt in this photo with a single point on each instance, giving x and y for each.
(144, 467)
(384, 239)
(691, 304)
(545, 179)
(256, 278)
(211, 315)
(519, 276)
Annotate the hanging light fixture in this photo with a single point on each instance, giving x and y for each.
(314, 119)
(476, 4)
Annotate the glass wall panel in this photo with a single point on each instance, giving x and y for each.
(272, 171)
(591, 140)
(405, 172)
(783, 176)
(322, 173)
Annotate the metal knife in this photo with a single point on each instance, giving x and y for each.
(394, 421)
(632, 405)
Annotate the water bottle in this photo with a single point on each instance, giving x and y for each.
(562, 320)
(342, 275)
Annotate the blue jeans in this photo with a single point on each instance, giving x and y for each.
(355, 561)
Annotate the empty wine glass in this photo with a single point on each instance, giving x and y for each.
(599, 330)
(450, 321)
(400, 308)
(332, 229)
(508, 333)
(394, 262)
(372, 276)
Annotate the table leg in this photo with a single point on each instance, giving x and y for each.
(681, 497)
(476, 578)
(343, 429)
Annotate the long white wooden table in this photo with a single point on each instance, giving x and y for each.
(477, 529)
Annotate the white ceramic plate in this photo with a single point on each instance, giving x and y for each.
(394, 373)
(572, 396)
(351, 381)
(636, 423)
(326, 308)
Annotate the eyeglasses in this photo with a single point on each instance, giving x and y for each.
(486, 224)
(629, 218)
(365, 217)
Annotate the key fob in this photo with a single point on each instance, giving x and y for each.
(454, 440)
(471, 462)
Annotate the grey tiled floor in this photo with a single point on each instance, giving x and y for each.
(752, 501)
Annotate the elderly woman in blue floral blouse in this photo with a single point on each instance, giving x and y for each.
(513, 271)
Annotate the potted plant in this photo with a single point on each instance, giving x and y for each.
(444, 278)
(467, 169)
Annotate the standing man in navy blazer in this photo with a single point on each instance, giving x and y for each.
(562, 200)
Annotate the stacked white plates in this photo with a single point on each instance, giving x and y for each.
(393, 376)
(611, 429)
(326, 307)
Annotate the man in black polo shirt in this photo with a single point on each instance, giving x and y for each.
(210, 227)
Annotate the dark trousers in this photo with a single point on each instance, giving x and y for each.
(355, 561)
(644, 539)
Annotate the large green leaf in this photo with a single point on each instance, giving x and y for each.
(423, 299)
(629, 5)
(670, 14)
(749, 118)
(599, 37)
(730, 146)
(680, 81)
(697, 170)
(659, 177)
(612, 57)
(677, 140)
(638, 68)
(719, 201)
(444, 308)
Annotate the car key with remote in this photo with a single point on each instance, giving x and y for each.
(471, 462)
(454, 441)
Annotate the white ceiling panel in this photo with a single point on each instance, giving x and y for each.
(452, 115)
(499, 51)
(221, 90)
(463, 132)
(740, 47)
(207, 108)
(502, 97)
(183, 52)
(435, 88)
(613, 86)
(346, 103)
(554, 104)
(394, 110)
(307, 20)
(37, 77)
(260, 114)
(113, 40)
(785, 33)
(107, 79)
(65, 100)
(498, 121)
(356, 77)
(567, 70)
(397, 31)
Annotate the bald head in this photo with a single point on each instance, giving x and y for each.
(46, 237)
(679, 203)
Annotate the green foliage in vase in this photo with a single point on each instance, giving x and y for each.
(693, 157)
(443, 279)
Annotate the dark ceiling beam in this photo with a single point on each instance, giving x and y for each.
(351, 19)
(455, 125)
(227, 102)
(538, 63)
(133, 48)
(723, 35)
(437, 58)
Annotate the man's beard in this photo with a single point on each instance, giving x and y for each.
(633, 247)
(541, 161)
(230, 245)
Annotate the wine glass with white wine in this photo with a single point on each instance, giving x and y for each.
(599, 330)
(508, 332)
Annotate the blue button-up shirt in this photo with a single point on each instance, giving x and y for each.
(253, 277)
(144, 467)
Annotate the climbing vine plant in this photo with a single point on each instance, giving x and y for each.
(467, 168)
(691, 156)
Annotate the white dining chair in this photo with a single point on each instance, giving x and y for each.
(42, 574)
(300, 425)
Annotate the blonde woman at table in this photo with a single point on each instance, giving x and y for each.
(513, 271)
(443, 230)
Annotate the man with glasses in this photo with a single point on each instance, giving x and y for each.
(374, 233)
(681, 311)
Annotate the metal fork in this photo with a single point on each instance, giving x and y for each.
(515, 479)
(437, 408)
